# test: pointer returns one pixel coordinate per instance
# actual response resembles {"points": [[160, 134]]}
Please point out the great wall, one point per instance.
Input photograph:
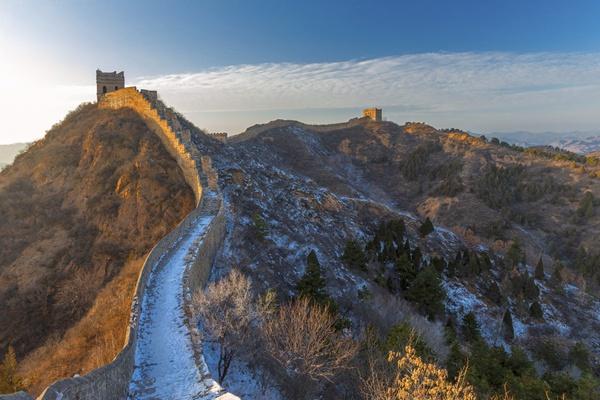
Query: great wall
{"points": [[199, 236]]}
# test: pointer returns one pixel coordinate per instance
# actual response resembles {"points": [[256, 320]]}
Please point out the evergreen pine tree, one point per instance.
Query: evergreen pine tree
{"points": [[260, 226], [354, 257], [530, 289], [507, 326], [426, 290], [556, 277], [397, 230], [407, 247], [473, 267], [539, 270], [494, 294], [586, 206], [9, 381], [455, 361], [452, 269], [580, 356], [312, 283], [485, 263], [450, 330], [439, 264], [389, 251], [426, 227], [416, 257], [471, 330], [402, 334], [406, 271], [515, 254], [535, 310]]}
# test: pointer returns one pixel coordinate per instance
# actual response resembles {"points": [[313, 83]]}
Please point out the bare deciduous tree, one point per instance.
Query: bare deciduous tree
{"points": [[301, 338], [228, 311]]}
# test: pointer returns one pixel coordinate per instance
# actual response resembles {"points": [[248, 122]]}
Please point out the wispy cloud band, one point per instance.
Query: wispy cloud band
{"points": [[429, 80], [488, 91], [483, 90]]}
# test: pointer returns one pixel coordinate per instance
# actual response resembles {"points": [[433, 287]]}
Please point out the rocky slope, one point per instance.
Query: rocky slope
{"points": [[90, 198], [441, 175], [315, 187], [290, 188]]}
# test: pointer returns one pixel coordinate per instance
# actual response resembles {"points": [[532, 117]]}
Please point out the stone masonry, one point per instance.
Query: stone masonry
{"points": [[373, 113], [107, 82], [111, 381], [220, 136]]}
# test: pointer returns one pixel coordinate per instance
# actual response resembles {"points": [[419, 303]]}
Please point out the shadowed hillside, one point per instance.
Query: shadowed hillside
{"points": [[79, 211], [419, 228], [488, 191]]}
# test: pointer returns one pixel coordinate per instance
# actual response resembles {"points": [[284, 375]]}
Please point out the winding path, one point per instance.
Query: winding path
{"points": [[164, 359]]}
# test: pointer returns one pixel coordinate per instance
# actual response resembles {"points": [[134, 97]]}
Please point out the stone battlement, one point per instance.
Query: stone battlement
{"points": [[220, 136], [176, 141], [112, 380], [107, 82], [373, 113]]}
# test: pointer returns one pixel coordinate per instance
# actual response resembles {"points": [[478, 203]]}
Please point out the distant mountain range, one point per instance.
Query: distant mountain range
{"points": [[8, 152], [577, 142], [560, 139], [582, 146]]}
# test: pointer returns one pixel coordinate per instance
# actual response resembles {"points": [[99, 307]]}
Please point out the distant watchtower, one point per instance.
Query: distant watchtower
{"points": [[107, 82], [373, 113]]}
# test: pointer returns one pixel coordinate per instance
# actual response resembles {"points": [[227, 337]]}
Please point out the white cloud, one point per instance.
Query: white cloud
{"points": [[476, 91], [484, 91]]}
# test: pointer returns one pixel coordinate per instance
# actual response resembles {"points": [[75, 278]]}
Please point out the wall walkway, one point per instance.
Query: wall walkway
{"points": [[112, 380]]}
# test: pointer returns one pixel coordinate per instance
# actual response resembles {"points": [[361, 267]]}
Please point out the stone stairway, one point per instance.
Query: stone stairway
{"points": [[162, 358], [208, 175]]}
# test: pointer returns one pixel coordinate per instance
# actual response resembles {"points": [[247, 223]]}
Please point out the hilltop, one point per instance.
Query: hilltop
{"points": [[496, 210], [80, 210], [489, 192]]}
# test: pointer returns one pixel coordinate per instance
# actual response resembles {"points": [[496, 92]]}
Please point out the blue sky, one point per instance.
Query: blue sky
{"points": [[479, 65]]}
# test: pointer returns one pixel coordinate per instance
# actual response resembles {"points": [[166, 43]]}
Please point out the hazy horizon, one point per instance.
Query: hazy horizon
{"points": [[229, 65]]}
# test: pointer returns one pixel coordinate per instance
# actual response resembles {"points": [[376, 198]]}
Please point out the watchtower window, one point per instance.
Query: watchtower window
{"points": [[103, 89]]}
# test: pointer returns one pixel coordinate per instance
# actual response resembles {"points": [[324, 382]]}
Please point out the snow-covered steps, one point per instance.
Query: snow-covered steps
{"points": [[165, 367]]}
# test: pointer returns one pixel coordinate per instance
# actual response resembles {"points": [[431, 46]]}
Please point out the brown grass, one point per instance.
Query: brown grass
{"points": [[94, 341]]}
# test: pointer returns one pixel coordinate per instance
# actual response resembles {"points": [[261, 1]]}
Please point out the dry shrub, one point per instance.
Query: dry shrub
{"points": [[302, 339], [93, 342], [410, 378], [384, 312], [77, 293]]}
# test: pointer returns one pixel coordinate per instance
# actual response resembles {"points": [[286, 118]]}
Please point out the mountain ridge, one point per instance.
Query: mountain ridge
{"points": [[82, 207], [291, 188]]}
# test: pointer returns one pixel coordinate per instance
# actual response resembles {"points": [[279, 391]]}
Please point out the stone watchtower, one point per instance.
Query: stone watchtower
{"points": [[373, 113], [107, 82]]}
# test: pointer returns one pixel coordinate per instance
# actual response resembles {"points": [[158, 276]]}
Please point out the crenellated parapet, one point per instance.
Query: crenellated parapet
{"points": [[175, 139], [112, 380], [220, 136]]}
